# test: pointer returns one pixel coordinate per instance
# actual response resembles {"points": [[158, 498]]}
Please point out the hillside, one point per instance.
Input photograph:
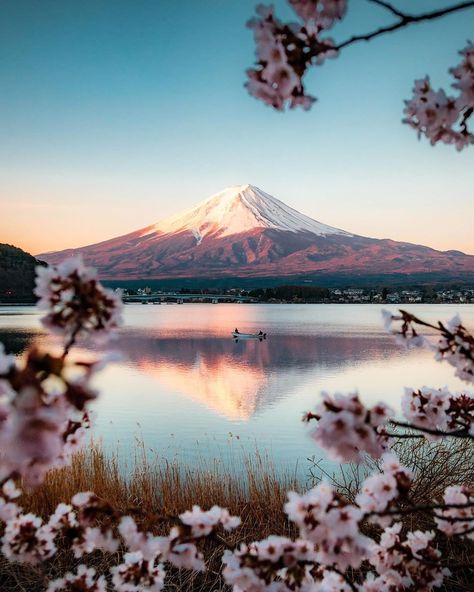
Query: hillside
{"points": [[17, 274]]}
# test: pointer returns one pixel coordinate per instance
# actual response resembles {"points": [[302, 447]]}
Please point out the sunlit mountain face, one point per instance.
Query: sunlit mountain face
{"points": [[244, 232]]}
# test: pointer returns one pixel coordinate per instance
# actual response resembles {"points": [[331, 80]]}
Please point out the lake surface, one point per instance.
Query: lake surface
{"points": [[190, 392]]}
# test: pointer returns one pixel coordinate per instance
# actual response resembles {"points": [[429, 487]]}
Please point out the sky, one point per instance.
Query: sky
{"points": [[114, 115]]}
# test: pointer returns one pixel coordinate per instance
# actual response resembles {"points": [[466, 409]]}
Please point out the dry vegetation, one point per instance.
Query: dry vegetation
{"points": [[156, 491]]}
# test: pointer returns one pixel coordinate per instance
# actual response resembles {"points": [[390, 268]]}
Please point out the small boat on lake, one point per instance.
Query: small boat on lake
{"points": [[236, 334]]}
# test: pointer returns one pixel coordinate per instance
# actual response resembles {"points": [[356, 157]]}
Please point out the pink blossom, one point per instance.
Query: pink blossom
{"points": [[74, 301], [136, 574], [451, 520], [346, 428], [26, 539], [84, 580], [203, 522]]}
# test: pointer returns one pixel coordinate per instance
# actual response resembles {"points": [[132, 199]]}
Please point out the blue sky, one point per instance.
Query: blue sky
{"points": [[116, 114]]}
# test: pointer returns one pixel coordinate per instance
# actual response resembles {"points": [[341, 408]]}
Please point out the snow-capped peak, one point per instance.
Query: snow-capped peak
{"points": [[239, 209]]}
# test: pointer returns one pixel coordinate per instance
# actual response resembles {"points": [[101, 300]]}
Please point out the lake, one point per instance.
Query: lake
{"points": [[192, 393]]}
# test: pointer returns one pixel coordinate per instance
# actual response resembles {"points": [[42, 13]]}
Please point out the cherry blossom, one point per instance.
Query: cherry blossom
{"points": [[136, 574], [434, 114], [320, 14], [42, 418], [276, 563], [26, 539], [454, 344], [457, 521], [406, 564], [74, 301], [324, 518], [83, 580], [346, 428], [286, 50], [203, 523], [379, 491]]}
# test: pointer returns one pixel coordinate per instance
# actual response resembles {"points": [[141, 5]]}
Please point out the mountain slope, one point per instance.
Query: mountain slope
{"points": [[244, 232]]}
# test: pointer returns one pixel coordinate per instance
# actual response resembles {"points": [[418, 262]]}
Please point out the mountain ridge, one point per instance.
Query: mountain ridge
{"points": [[243, 231]]}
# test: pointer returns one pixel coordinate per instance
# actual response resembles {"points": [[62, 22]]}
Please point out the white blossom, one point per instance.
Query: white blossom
{"points": [[26, 539], [346, 428], [451, 520], [74, 301], [136, 574], [84, 580]]}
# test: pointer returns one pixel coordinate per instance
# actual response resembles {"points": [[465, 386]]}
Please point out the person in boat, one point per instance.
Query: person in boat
{"points": [[236, 330], [260, 332]]}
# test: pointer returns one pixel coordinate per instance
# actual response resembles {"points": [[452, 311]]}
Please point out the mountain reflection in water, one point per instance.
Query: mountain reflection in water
{"points": [[188, 389], [238, 379]]}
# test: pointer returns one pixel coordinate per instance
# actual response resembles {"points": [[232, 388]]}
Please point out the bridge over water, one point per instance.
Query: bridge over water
{"points": [[182, 298]]}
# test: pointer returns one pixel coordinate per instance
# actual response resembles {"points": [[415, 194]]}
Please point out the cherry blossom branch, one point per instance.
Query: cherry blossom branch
{"points": [[351, 585], [389, 7], [405, 20], [464, 433], [423, 508]]}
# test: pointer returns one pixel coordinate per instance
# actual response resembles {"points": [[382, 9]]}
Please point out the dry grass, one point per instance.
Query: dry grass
{"points": [[158, 487], [257, 494]]}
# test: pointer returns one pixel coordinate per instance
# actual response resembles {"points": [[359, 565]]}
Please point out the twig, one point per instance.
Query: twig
{"points": [[421, 508], [404, 20], [389, 7], [434, 432]]}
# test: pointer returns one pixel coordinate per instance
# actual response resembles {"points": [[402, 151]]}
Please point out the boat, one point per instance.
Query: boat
{"points": [[260, 335]]}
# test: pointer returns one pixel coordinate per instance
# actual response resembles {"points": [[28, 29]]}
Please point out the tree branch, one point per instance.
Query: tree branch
{"points": [[464, 433], [404, 20], [389, 7], [422, 508]]}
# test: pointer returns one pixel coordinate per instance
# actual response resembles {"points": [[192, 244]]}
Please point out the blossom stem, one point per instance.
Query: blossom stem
{"points": [[346, 579], [404, 20], [389, 7], [464, 433], [72, 340], [421, 508]]}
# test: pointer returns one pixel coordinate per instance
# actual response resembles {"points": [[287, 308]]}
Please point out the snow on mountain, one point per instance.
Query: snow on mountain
{"points": [[239, 209], [244, 232]]}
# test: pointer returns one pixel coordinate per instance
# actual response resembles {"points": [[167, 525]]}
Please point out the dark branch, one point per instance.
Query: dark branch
{"points": [[389, 7], [404, 20], [464, 433], [422, 508]]}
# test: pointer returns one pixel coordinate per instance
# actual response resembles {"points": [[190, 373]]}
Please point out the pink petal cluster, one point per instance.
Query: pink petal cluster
{"points": [[137, 574], [275, 563], [42, 414], [331, 524], [27, 540], [457, 520], [320, 14], [346, 428], [84, 580], [203, 522], [286, 50], [410, 564], [75, 302], [443, 118], [455, 344], [380, 491]]}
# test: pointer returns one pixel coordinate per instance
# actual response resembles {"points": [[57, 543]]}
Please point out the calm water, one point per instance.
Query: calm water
{"points": [[190, 392]]}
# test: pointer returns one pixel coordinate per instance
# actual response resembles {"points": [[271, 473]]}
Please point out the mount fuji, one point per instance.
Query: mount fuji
{"points": [[243, 232]]}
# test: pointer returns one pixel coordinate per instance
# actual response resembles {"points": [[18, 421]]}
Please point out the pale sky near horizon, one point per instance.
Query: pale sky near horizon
{"points": [[114, 115]]}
